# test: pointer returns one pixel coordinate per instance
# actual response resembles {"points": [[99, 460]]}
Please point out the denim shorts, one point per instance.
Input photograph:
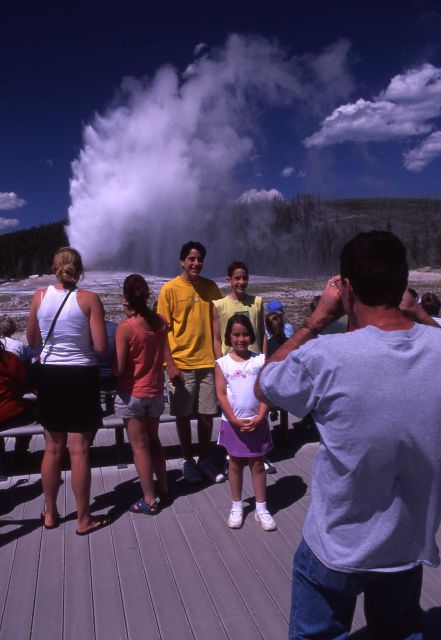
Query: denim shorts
{"points": [[127, 406]]}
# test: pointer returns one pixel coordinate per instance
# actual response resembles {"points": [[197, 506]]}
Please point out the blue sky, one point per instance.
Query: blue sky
{"points": [[346, 101]]}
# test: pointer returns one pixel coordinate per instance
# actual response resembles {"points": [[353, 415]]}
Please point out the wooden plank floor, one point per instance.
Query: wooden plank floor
{"points": [[182, 574]]}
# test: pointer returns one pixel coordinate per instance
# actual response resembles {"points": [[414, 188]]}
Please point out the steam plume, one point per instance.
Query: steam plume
{"points": [[164, 157]]}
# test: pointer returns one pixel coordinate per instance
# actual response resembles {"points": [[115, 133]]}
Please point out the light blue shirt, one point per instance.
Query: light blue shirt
{"points": [[376, 485]]}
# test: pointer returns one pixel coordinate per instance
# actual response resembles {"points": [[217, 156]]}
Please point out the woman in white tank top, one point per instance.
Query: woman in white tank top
{"points": [[68, 389]]}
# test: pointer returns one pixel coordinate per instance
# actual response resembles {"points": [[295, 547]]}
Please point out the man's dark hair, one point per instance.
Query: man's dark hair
{"points": [[375, 264], [431, 303], [244, 321], [236, 265], [188, 246]]}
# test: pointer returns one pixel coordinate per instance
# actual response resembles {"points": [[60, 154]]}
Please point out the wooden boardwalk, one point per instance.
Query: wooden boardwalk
{"points": [[180, 575]]}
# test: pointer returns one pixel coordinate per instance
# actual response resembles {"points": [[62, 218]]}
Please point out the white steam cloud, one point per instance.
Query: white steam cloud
{"points": [[158, 165], [199, 48], [405, 109]]}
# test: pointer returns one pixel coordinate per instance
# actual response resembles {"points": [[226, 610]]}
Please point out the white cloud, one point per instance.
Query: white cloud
{"points": [[418, 158], [291, 171], [172, 147], [9, 201], [8, 223], [366, 121], [262, 195], [404, 109], [419, 86]]}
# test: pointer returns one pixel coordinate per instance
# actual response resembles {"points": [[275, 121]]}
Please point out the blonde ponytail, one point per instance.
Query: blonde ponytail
{"points": [[67, 265]]}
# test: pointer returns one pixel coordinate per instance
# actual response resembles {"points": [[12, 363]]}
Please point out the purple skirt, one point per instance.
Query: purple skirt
{"points": [[245, 445]]}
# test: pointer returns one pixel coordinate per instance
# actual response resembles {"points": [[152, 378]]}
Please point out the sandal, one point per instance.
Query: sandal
{"points": [[143, 507], [98, 523], [49, 526]]}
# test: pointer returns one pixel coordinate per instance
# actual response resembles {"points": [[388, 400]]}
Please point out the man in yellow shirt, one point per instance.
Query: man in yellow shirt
{"points": [[186, 303]]}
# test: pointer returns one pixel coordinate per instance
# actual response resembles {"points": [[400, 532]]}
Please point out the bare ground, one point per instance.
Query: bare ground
{"points": [[294, 294]]}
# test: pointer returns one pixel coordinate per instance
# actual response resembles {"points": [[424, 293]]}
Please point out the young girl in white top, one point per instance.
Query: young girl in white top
{"points": [[244, 429]]}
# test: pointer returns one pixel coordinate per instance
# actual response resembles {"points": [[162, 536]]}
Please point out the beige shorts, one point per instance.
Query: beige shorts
{"points": [[196, 395]]}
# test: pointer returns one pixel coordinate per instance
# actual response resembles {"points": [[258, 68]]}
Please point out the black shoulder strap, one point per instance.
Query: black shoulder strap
{"points": [[51, 328]]}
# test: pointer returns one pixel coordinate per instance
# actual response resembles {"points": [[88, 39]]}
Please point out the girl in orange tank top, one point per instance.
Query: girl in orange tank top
{"points": [[140, 343]]}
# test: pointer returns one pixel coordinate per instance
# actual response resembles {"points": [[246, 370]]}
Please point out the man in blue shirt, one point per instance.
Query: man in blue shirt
{"points": [[376, 485]]}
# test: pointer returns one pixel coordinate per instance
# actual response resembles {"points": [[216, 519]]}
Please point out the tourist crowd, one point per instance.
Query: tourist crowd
{"points": [[363, 367]]}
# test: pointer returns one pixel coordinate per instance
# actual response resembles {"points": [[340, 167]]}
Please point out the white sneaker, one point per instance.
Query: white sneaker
{"points": [[210, 471], [235, 519], [266, 520], [191, 472]]}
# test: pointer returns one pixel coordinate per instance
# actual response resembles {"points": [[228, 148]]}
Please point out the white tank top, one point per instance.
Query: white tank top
{"points": [[70, 342], [240, 378]]}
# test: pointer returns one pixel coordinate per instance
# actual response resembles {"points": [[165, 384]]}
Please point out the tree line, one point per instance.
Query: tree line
{"points": [[296, 238], [304, 236], [30, 251]]}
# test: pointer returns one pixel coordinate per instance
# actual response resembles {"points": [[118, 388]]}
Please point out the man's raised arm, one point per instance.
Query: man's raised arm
{"points": [[412, 310], [328, 310]]}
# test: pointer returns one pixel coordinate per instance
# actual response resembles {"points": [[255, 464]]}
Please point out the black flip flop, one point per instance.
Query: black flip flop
{"points": [[99, 523], [49, 526]]}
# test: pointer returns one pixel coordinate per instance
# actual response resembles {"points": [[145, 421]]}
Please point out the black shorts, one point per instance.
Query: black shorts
{"points": [[69, 398]]}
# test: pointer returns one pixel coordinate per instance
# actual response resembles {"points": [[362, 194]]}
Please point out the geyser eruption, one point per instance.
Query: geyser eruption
{"points": [[161, 164]]}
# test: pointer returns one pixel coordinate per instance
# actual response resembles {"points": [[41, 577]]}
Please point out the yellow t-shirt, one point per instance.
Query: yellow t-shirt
{"points": [[250, 306], [187, 309]]}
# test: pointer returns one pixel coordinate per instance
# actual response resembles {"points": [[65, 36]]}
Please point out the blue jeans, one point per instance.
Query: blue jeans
{"points": [[323, 601]]}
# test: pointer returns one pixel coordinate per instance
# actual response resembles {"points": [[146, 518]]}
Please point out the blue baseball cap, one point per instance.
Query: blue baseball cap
{"points": [[274, 306]]}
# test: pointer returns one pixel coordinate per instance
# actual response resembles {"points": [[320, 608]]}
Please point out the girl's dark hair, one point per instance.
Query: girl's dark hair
{"points": [[274, 324], [136, 293], [244, 321], [2, 351], [7, 326], [236, 265], [431, 303]]}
